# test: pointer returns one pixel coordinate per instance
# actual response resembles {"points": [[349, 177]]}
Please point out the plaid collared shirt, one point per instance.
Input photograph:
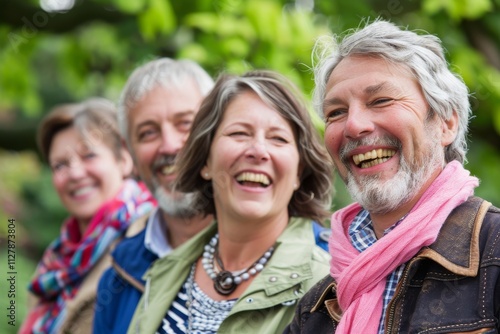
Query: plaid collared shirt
{"points": [[363, 236]]}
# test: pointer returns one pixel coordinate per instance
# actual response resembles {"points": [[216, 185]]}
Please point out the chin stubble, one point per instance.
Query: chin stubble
{"points": [[381, 197]]}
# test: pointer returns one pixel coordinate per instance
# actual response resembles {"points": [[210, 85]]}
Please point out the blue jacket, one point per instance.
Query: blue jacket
{"points": [[118, 296], [121, 286]]}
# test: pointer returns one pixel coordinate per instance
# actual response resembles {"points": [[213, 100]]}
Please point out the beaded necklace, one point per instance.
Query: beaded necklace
{"points": [[205, 315], [225, 282]]}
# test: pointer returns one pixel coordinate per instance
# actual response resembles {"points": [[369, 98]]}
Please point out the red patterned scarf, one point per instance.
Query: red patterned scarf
{"points": [[71, 256]]}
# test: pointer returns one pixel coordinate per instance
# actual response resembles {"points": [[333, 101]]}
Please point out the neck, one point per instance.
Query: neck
{"points": [[383, 221], [181, 229], [82, 226], [242, 243]]}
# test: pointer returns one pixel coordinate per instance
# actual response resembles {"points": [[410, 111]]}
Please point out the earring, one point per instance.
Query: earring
{"points": [[206, 175], [295, 186]]}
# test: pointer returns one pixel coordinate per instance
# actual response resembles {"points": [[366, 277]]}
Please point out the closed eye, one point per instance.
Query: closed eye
{"points": [[89, 155], [382, 102], [147, 134], [59, 166], [185, 125], [238, 133], [334, 115], [280, 139]]}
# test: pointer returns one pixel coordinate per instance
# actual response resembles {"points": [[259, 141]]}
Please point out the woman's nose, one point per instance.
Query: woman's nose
{"points": [[76, 169], [258, 150]]}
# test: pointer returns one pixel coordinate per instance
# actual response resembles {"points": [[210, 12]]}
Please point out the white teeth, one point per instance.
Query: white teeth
{"points": [[82, 191], [375, 156], [168, 169], [253, 177]]}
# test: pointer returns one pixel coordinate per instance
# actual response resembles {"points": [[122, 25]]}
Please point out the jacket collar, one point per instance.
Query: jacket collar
{"points": [[457, 245], [292, 255]]}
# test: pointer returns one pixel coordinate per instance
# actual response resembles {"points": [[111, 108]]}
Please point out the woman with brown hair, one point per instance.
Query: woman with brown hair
{"points": [[255, 161], [90, 170]]}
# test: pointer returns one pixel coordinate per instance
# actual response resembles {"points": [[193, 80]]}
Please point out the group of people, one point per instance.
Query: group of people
{"points": [[199, 206]]}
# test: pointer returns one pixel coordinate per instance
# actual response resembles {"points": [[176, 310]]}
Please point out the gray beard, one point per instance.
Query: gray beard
{"points": [[177, 205], [381, 197]]}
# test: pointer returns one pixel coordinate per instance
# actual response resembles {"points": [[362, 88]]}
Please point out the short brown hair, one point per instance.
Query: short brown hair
{"points": [[312, 198], [94, 116]]}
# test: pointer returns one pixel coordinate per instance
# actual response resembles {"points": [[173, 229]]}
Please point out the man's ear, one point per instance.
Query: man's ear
{"points": [[126, 163], [449, 129]]}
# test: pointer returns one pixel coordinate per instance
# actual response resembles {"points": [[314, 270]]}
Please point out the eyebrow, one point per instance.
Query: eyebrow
{"points": [[184, 113], [177, 115], [247, 124], [370, 90]]}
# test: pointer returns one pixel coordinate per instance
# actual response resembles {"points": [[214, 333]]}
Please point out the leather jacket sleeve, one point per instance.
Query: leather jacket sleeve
{"points": [[311, 314]]}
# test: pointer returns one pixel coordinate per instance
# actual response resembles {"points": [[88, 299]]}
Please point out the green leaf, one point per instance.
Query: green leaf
{"points": [[458, 9], [18, 86], [195, 52], [204, 21], [265, 16], [496, 119], [158, 19], [130, 6], [236, 47]]}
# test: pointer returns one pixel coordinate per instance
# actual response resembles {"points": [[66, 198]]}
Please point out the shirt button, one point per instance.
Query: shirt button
{"points": [[249, 300], [294, 275], [273, 279]]}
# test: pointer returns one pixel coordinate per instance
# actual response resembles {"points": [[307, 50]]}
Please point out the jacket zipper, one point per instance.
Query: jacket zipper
{"points": [[389, 321]]}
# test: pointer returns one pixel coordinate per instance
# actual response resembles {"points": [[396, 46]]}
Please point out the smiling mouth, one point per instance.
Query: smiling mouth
{"points": [[253, 179], [167, 169], [373, 157], [82, 191]]}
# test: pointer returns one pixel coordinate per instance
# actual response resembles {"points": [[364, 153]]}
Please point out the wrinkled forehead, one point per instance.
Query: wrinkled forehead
{"points": [[372, 70]]}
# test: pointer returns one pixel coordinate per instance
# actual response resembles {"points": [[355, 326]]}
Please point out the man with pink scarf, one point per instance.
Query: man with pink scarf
{"points": [[417, 252]]}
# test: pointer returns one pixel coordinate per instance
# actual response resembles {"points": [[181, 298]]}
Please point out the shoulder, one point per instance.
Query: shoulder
{"points": [[80, 309], [131, 257], [321, 235], [492, 216], [297, 248], [138, 225], [323, 290], [489, 236], [312, 314]]}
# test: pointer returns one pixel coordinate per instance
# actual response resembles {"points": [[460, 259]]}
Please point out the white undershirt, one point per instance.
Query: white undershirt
{"points": [[156, 235]]}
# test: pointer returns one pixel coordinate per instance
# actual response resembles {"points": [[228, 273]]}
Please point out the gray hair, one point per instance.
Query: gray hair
{"points": [[313, 197], [165, 72], [444, 90]]}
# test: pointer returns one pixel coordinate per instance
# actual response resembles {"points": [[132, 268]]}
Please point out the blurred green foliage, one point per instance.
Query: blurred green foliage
{"points": [[48, 58]]}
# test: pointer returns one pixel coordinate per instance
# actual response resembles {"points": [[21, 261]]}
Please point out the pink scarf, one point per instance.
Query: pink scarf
{"points": [[361, 277]]}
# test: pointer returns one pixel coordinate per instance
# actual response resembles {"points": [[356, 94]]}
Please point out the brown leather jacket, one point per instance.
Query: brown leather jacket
{"points": [[452, 286]]}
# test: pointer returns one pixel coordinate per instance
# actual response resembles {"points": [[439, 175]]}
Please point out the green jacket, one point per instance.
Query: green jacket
{"points": [[268, 304]]}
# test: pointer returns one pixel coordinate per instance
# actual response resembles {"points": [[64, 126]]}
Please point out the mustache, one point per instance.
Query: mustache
{"points": [[164, 160], [367, 141]]}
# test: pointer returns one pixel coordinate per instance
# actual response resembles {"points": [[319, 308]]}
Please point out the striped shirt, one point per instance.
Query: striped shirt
{"points": [[203, 317], [362, 236]]}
